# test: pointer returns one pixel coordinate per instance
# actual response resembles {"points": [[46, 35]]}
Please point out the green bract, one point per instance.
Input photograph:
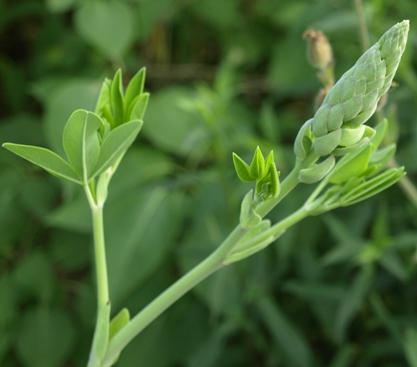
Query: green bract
{"points": [[262, 171], [358, 175], [115, 106]]}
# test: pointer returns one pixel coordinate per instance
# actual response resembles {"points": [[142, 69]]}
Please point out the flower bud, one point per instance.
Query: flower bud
{"points": [[354, 98], [319, 51]]}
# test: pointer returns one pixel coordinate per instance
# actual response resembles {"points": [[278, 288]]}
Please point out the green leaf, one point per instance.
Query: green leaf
{"points": [[104, 97], [46, 338], [269, 160], [48, 160], [171, 128], [302, 142], [81, 142], [60, 6], [317, 171], [380, 159], [327, 143], [117, 99], [275, 188], [373, 186], [287, 336], [135, 88], [74, 215], [118, 322], [352, 302], [61, 101], [107, 25], [35, 274], [248, 217], [134, 236], [242, 169], [351, 136], [101, 336], [115, 144], [410, 346], [9, 303], [383, 156], [380, 131], [351, 149], [138, 107], [344, 357], [351, 165], [257, 166]]}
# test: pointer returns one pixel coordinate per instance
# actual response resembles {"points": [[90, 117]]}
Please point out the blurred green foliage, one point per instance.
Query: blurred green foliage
{"points": [[225, 75]]}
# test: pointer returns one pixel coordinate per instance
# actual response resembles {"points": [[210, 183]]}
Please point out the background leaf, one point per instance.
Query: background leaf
{"points": [[109, 26], [410, 346], [46, 338], [285, 334], [185, 134], [146, 234]]}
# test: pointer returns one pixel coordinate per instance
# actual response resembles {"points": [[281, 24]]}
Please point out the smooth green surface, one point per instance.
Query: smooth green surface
{"points": [[81, 142], [115, 144], [108, 26], [46, 159]]}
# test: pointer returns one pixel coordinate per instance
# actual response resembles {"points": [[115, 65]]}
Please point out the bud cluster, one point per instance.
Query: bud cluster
{"points": [[337, 126]]}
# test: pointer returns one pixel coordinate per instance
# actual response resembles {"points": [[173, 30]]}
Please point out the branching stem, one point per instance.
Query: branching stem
{"points": [[201, 271]]}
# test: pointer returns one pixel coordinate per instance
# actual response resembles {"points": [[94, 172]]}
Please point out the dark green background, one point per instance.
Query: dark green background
{"points": [[337, 290]]}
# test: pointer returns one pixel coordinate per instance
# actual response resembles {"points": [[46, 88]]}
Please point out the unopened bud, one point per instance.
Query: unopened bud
{"points": [[354, 98], [319, 51]]}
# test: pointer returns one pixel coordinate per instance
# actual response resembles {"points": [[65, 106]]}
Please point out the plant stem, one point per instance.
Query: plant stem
{"points": [[100, 256], [288, 184], [103, 299], [172, 294], [198, 273], [362, 25], [277, 229], [99, 249], [406, 185]]}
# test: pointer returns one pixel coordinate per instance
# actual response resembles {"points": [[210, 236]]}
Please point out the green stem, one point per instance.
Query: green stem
{"points": [[276, 230], [362, 25], [406, 185], [288, 184], [103, 299], [172, 294], [100, 256], [287, 222], [99, 249], [198, 273]]}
